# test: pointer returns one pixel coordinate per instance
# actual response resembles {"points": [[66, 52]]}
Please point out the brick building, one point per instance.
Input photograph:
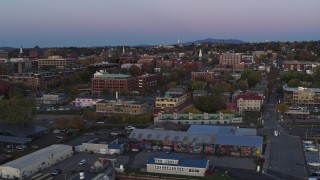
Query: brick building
{"points": [[56, 61], [40, 80], [121, 107], [298, 65], [148, 82], [230, 58], [112, 82]]}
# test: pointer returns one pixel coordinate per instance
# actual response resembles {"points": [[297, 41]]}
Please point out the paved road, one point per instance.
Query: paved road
{"points": [[284, 152]]}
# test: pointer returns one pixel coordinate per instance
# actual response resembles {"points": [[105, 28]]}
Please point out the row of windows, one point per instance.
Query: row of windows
{"points": [[194, 170], [168, 168]]}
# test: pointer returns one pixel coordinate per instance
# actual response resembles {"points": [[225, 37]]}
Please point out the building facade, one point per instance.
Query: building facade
{"points": [[302, 96], [172, 164], [230, 58], [30, 164], [56, 61], [40, 80], [201, 139], [51, 99], [207, 76], [85, 102], [121, 107], [112, 83], [147, 83], [249, 102], [169, 103], [190, 118], [298, 65]]}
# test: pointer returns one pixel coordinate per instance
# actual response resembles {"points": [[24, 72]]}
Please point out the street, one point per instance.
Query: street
{"points": [[284, 154]]}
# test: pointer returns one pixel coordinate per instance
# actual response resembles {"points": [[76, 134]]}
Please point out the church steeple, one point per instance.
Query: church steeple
{"points": [[21, 50], [200, 54], [123, 51]]}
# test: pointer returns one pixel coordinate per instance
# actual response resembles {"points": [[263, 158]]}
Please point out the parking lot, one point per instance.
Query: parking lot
{"points": [[71, 168]]}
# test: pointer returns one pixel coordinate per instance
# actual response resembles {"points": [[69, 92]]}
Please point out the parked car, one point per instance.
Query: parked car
{"points": [[56, 172], [21, 147], [82, 162], [60, 137], [130, 128]]}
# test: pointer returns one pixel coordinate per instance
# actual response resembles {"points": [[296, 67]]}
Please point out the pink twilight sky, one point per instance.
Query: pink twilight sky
{"points": [[131, 22]]}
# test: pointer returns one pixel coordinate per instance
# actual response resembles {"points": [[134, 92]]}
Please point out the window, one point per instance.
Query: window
{"points": [[194, 170]]}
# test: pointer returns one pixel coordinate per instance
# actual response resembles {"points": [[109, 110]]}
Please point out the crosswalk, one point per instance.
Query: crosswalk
{"points": [[41, 176]]}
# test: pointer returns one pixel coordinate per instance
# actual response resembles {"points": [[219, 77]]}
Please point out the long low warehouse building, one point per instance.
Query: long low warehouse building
{"points": [[30, 164], [211, 140]]}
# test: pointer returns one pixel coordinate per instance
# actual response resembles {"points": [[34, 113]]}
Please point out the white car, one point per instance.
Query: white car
{"points": [[276, 133], [82, 162], [130, 128], [21, 147]]}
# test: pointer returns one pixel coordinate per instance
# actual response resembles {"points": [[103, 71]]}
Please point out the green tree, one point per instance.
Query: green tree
{"points": [[243, 85], [105, 91], [18, 110], [253, 77], [316, 73], [210, 104], [135, 70], [174, 76], [85, 76], [196, 85], [222, 87], [294, 83]]}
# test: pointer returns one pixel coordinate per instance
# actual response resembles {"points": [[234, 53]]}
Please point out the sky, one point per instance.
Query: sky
{"points": [[83, 23]]}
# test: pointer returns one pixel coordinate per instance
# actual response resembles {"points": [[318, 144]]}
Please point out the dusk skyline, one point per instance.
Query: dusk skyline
{"points": [[102, 23]]}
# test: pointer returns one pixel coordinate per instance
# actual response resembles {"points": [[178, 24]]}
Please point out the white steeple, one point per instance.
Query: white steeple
{"points": [[200, 54], [123, 51], [21, 50]]}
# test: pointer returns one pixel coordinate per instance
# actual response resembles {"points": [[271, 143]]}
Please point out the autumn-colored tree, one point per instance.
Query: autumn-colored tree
{"points": [[77, 123], [172, 84], [61, 123], [192, 110], [282, 108], [225, 111]]}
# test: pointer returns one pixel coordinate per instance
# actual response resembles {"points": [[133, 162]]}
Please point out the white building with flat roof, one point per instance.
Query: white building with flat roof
{"points": [[30, 164]]}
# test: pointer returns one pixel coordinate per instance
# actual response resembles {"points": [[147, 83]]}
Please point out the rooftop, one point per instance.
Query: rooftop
{"points": [[249, 97], [298, 62], [24, 161], [224, 136], [316, 90], [108, 75], [229, 130], [22, 131], [12, 139]]}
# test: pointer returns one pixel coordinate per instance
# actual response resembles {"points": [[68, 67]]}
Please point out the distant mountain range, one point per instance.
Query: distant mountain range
{"points": [[203, 41], [7, 48], [214, 41]]}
